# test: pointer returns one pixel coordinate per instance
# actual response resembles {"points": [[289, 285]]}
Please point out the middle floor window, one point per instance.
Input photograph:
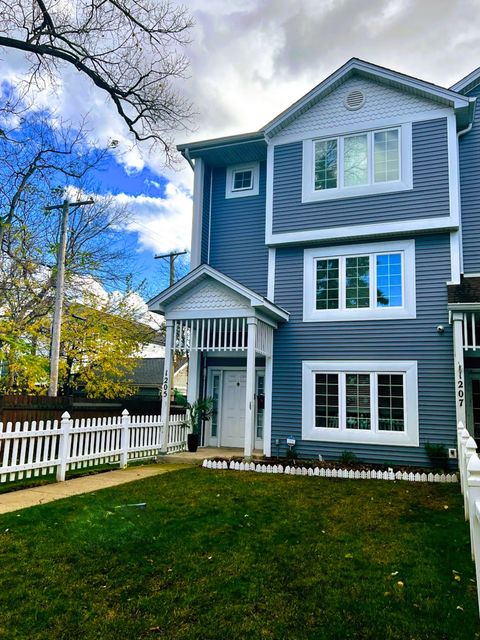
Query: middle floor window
{"points": [[360, 282]]}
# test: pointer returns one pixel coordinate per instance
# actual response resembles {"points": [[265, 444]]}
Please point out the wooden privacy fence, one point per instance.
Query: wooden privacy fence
{"points": [[32, 449]]}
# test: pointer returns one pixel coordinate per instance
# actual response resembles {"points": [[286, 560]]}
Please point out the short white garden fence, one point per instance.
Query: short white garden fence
{"points": [[32, 449], [469, 471]]}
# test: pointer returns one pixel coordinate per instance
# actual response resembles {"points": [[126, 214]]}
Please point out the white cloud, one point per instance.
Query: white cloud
{"points": [[162, 224]]}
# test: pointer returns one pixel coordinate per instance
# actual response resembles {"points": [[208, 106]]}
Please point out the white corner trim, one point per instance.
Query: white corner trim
{"points": [[455, 257], [254, 167], [408, 438], [271, 274], [453, 169], [407, 310], [445, 223], [196, 251], [269, 191]]}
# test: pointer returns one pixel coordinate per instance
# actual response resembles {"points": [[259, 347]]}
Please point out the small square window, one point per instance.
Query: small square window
{"points": [[242, 180]]}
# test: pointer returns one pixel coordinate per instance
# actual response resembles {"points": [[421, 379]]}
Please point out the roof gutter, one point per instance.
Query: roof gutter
{"points": [[186, 155]]}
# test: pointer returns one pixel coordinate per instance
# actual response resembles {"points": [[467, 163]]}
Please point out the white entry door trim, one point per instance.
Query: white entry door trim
{"points": [[227, 429]]}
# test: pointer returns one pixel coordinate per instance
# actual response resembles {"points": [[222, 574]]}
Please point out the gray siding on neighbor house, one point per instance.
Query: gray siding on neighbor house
{"points": [[428, 198], [415, 339], [469, 149], [205, 213], [237, 242]]}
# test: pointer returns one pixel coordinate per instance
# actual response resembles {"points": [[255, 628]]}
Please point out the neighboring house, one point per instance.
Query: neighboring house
{"points": [[335, 284]]}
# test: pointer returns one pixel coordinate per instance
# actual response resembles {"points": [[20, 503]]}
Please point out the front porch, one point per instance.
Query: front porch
{"points": [[226, 330], [464, 307]]}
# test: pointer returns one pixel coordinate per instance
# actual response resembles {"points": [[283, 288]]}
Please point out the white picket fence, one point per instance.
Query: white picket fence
{"points": [[469, 468], [39, 448], [321, 472]]}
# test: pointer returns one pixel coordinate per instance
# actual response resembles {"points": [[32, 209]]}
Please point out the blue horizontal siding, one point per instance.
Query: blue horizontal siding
{"points": [[414, 339], [469, 149], [237, 242], [428, 198]]}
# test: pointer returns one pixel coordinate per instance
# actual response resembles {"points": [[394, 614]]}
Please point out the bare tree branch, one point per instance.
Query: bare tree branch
{"points": [[130, 49]]}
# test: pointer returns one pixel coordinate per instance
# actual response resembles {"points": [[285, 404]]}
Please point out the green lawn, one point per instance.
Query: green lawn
{"points": [[229, 555]]}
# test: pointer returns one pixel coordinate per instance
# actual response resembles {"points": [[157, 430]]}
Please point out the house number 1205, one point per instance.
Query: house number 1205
{"points": [[165, 385]]}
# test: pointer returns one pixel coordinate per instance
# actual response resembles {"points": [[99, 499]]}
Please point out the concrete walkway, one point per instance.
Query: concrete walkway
{"points": [[58, 490]]}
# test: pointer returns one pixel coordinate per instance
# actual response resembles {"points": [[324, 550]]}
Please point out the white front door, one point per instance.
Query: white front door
{"points": [[232, 433]]}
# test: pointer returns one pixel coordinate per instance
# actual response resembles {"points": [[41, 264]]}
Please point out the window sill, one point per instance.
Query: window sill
{"points": [[387, 438], [356, 315], [355, 192]]}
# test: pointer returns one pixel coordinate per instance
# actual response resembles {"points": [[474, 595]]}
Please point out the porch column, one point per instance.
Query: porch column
{"points": [[167, 384], [460, 401], [250, 387]]}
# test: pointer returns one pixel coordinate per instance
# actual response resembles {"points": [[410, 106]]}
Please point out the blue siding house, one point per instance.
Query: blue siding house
{"points": [[334, 291]]}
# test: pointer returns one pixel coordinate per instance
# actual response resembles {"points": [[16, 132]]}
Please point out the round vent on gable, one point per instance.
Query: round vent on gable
{"points": [[354, 100]]}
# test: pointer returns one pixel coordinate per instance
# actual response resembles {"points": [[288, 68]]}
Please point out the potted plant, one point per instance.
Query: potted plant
{"points": [[197, 412], [438, 455]]}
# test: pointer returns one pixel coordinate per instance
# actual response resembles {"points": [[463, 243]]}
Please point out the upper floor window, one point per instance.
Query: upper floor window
{"points": [[242, 180], [360, 282], [358, 164]]}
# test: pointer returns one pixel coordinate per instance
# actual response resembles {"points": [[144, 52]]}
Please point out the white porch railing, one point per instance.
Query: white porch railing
{"points": [[471, 330], [29, 450]]}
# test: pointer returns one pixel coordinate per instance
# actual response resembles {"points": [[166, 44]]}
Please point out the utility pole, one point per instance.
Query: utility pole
{"points": [[172, 257], [59, 293]]}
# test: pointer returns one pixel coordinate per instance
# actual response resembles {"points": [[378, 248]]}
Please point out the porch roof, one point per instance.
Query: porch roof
{"points": [[240, 296]]}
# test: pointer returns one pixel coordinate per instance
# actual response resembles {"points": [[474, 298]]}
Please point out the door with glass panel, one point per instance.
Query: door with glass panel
{"points": [[259, 407]]}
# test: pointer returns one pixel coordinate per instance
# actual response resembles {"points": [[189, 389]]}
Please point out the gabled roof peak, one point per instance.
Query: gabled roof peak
{"points": [[355, 66]]}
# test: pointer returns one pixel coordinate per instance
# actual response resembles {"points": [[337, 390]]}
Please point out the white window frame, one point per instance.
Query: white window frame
{"points": [[407, 438], [408, 309], [405, 182], [230, 192]]}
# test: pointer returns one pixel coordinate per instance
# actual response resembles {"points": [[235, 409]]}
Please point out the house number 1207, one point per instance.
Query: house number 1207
{"points": [[460, 387]]}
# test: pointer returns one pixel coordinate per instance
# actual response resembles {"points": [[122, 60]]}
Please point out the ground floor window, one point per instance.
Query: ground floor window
{"points": [[360, 402]]}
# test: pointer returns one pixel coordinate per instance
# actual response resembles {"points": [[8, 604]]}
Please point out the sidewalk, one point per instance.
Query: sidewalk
{"points": [[58, 490]]}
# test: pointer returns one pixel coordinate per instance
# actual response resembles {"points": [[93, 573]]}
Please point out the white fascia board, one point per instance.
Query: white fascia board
{"points": [[473, 78], [464, 306], [455, 99], [420, 225]]}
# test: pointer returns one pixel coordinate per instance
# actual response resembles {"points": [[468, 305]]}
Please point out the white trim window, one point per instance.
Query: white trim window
{"points": [[360, 282], [357, 164], [369, 402], [242, 180]]}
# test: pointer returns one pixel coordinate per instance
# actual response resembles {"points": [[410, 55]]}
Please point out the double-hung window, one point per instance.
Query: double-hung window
{"points": [[360, 282], [360, 402], [357, 164]]}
